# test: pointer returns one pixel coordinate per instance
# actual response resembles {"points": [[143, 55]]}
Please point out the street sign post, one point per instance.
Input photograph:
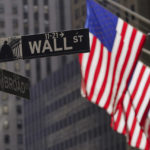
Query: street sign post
{"points": [[14, 84], [56, 43]]}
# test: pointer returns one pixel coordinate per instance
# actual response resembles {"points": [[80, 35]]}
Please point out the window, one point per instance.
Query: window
{"points": [[6, 124], [75, 1], [5, 109], [19, 109], [17, 67], [25, 2], [35, 2], [77, 13], [1, 8], [46, 16], [19, 124], [6, 139], [25, 15], [14, 9], [45, 2], [2, 24]]}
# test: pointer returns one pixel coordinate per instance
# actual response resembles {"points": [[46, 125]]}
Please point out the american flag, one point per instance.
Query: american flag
{"points": [[132, 117], [106, 71], [115, 47]]}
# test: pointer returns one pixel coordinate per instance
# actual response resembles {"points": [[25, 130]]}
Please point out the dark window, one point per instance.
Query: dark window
{"points": [[2, 24], [25, 15], [15, 10], [19, 124], [46, 16], [83, 10], [6, 139], [45, 2], [26, 29], [35, 2], [36, 16], [75, 1], [77, 13], [25, 2], [19, 109], [1, 8]]}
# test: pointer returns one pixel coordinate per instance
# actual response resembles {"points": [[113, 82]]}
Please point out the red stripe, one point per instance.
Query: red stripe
{"points": [[101, 92], [132, 130], [118, 119], [137, 83], [116, 64], [96, 72], [145, 114], [125, 62], [90, 59], [138, 142], [143, 95], [80, 58]]}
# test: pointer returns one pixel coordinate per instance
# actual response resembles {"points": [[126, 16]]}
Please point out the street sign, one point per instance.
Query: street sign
{"points": [[43, 45], [14, 84], [56, 43]]}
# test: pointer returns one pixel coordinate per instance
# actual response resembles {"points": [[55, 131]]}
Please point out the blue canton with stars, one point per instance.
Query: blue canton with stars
{"points": [[101, 23]]}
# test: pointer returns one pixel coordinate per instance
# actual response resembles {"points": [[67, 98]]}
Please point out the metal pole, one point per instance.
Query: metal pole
{"points": [[140, 17], [147, 21]]}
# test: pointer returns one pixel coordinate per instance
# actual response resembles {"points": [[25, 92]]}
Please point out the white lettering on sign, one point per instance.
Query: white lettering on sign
{"points": [[65, 45], [77, 38], [55, 46], [36, 46], [47, 46]]}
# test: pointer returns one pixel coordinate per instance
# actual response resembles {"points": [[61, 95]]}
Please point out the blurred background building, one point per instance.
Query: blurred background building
{"points": [[55, 117]]}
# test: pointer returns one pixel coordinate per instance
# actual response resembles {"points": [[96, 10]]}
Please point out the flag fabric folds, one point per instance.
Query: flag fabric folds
{"points": [[132, 117], [115, 47], [107, 70]]}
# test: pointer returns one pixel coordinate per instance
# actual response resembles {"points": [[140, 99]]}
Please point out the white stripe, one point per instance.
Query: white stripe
{"points": [[129, 64], [121, 61], [119, 26], [101, 75], [143, 142], [85, 58], [140, 89], [135, 77], [135, 134], [112, 62], [121, 123], [93, 66], [144, 105], [113, 58]]}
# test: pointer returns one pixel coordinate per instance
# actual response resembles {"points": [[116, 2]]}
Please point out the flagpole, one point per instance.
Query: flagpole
{"points": [[140, 17]]}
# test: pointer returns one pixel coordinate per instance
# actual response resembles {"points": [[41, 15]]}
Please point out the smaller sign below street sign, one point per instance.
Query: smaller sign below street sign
{"points": [[14, 84], [56, 43]]}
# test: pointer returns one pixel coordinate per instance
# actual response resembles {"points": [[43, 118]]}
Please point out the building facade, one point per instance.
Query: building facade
{"points": [[58, 118], [24, 17]]}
